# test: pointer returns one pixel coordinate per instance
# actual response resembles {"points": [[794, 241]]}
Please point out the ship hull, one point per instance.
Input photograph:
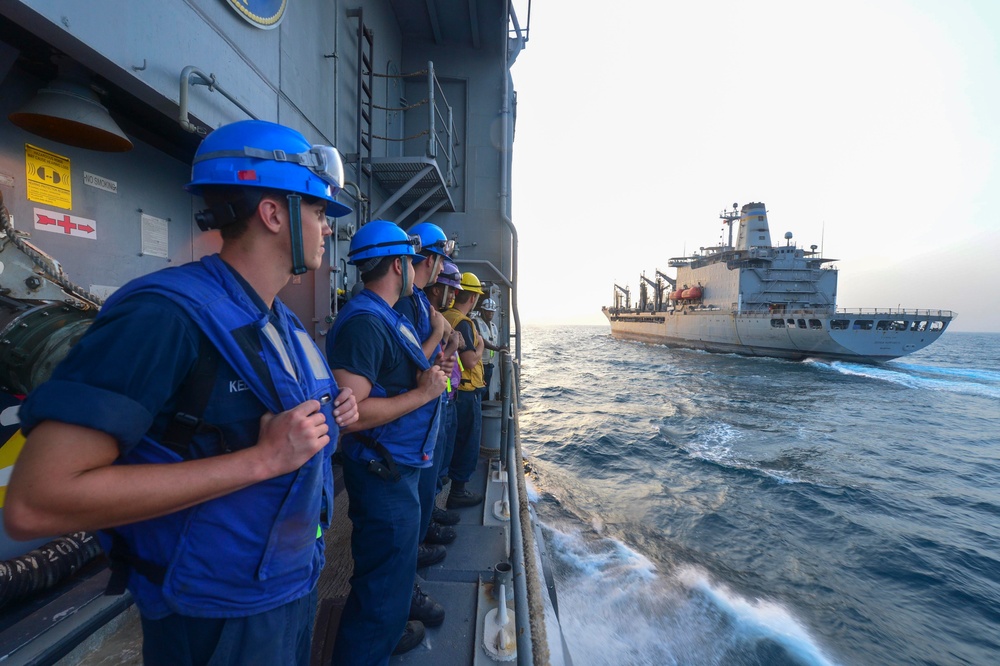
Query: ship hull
{"points": [[884, 339]]}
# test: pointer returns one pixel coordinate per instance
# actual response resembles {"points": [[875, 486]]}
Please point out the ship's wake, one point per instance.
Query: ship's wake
{"points": [[617, 607], [970, 381]]}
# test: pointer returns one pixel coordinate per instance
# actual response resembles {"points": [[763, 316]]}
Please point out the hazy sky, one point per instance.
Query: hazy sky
{"points": [[869, 128]]}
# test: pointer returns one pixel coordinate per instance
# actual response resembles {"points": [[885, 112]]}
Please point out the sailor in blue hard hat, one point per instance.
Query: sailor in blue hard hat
{"points": [[377, 352], [434, 333], [233, 172], [216, 432]]}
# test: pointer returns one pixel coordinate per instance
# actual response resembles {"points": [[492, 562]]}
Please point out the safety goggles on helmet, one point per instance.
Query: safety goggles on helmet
{"points": [[445, 247], [450, 275], [324, 161], [411, 241]]}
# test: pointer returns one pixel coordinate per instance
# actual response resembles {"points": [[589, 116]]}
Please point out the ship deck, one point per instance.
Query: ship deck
{"points": [[115, 635]]}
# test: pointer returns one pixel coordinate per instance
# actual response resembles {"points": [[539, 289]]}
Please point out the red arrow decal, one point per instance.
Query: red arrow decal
{"points": [[42, 219]]}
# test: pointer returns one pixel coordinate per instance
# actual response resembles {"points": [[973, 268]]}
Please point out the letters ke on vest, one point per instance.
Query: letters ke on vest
{"points": [[255, 549], [472, 378], [410, 439]]}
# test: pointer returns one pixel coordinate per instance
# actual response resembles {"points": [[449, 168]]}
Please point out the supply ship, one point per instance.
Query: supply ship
{"points": [[102, 108], [758, 299]]}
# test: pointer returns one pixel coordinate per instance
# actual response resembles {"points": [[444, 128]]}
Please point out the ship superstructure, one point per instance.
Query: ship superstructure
{"points": [[755, 298]]}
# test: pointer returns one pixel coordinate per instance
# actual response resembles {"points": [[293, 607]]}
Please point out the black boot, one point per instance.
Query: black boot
{"points": [[459, 497], [412, 636], [439, 534], [429, 554], [444, 517], [425, 609]]}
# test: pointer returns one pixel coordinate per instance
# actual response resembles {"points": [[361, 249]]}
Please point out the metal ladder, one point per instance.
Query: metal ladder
{"points": [[366, 59]]}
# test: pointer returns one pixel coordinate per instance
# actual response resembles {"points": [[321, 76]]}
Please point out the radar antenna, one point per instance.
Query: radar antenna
{"points": [[728, 218]]}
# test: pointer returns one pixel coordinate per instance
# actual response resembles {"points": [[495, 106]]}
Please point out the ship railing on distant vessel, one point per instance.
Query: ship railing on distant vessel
{"points": [[896, 311], [828, 312], [850, 312]]}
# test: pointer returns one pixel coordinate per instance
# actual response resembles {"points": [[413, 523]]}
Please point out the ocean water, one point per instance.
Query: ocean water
{"points": [[714, 509]]}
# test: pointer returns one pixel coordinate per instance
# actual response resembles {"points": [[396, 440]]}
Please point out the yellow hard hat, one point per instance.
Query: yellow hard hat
{"points": [[471, 283]]}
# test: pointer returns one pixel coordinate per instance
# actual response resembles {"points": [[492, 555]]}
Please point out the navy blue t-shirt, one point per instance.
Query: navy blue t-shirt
{"points": [[465, 328], [123, 378], [365, 347], [408, 307]]}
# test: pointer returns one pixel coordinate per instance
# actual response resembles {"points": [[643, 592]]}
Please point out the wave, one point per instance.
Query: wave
{"points": [[617, 607], [985, 383], [757, 618], [713, 443], [978, 374]]}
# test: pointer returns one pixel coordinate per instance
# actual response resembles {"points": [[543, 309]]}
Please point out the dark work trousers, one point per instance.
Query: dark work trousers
{"points": [[428, 485], [487, 377], [449, 426], [386, 518], [470, 428], [279, 636]]}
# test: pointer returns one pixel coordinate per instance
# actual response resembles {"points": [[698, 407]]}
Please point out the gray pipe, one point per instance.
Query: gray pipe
{"points": [[521, 619], [506, 157]]}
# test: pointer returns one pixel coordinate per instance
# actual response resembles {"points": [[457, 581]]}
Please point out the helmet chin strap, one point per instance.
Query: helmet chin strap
{"points": [[295, 229], [403, 261]]}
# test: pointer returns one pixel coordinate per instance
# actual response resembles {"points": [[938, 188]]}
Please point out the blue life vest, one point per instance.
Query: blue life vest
{"points": [[410, 439], [257, 548], [423, 325]]}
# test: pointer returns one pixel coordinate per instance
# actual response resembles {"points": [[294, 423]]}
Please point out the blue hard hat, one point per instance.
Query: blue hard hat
{"points": [[258, 153], [381, 238], [432, 239]]}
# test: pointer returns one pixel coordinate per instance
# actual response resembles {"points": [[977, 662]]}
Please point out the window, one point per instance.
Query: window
{"points": [[791, 323], [937, 326], [838, 324], [863, 324], [777, 323], [802, 323], [899, 325], [883, 325], [816, 323]]}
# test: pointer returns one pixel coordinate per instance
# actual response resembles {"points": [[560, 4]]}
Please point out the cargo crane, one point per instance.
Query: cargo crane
{"points": [[618, 297], [658, 287]]}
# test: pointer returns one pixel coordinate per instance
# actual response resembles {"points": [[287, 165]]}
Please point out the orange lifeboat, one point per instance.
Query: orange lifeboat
{"points": [[676, 294], [691, 294]]}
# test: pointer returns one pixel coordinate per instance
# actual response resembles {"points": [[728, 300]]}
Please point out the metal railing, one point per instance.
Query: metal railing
{"points": [[442, 137], [447, 118], [895, 311], [532, 644]]}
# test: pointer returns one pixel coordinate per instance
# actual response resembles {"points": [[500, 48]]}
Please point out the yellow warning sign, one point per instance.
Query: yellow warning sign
{"points": [[48, 177]]}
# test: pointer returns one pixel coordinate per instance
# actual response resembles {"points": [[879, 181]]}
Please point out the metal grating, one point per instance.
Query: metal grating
{"points": [[394, 173]]}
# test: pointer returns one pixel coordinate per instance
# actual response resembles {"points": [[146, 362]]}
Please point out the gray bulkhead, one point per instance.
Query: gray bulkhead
{"points": [[304, 73]]}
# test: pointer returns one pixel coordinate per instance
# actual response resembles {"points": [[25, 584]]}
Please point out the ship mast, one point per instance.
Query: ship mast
{"points": [[728, 218]]}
